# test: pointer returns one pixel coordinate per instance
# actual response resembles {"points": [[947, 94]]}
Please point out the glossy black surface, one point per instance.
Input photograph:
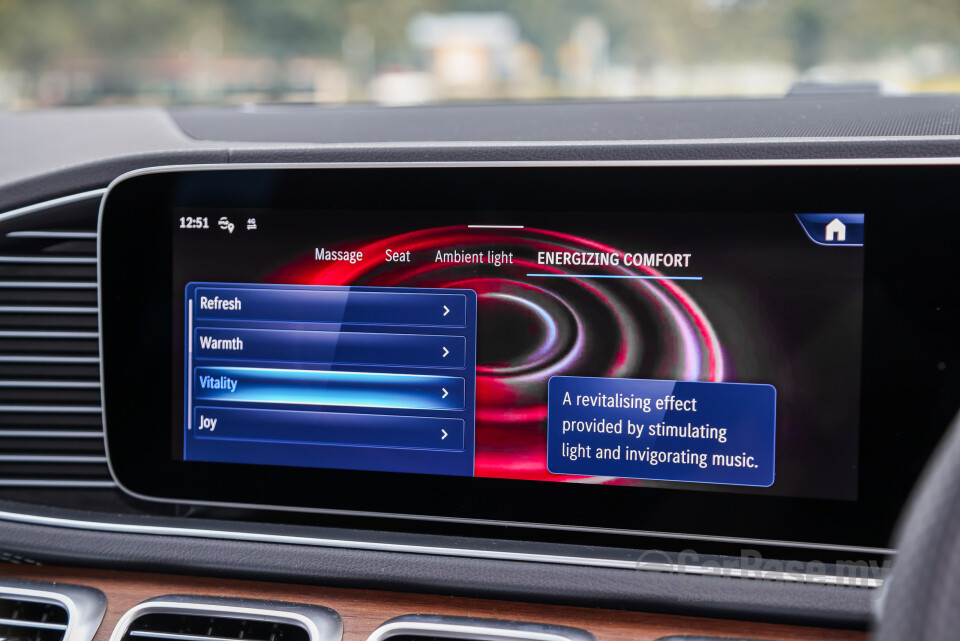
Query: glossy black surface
{"points": [[909, 379]]}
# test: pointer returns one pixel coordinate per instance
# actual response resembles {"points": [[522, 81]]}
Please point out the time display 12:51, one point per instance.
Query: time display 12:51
{"points": [[194, 222]]}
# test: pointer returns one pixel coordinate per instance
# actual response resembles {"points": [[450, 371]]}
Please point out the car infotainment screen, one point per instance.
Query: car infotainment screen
{"points": [[746, 352], [636, 349]]}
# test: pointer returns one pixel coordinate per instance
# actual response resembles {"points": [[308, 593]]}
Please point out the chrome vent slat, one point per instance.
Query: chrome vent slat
{"points": [[52, 384], [184, 637], [36, 334], [50, 410], [45, 285], [428, 627], [23, 309], [58, 409], [39, 458], [62, 279], [21, 623], [51, 434], [66, 260], [27, 358], [41, 483], [92, 235]]}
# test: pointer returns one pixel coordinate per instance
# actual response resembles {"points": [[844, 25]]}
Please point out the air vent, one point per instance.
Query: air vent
{"points": [[31, 621], [193, 618], [419, 627], [51, 431], [35, 611]]}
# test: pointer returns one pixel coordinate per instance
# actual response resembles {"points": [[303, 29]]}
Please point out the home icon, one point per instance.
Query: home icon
{"points": [[836, 231]]}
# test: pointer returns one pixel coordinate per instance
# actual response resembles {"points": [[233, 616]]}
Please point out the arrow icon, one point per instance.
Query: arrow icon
{"points": [[446, 310], [444, 433], [445, 352], [445, 392]]}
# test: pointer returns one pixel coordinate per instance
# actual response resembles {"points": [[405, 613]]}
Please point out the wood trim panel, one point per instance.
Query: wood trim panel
{"points": [[365, 610]]}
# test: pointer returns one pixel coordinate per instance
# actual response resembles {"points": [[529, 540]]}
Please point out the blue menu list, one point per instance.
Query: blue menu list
{"points": [[361, 378], [698, 432]]}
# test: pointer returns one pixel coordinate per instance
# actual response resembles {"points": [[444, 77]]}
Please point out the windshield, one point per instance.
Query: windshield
{"points": [[169, 52]]}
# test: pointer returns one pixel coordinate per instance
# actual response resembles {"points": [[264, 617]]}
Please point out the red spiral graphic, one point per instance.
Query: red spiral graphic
{"points": [[530, 329]]}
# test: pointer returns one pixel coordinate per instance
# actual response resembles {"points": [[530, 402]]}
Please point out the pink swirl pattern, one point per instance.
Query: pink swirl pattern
{"points": [[530, 329]]}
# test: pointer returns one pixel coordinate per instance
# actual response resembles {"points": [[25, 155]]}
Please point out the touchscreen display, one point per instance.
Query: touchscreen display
{"points": [[682, 350]]}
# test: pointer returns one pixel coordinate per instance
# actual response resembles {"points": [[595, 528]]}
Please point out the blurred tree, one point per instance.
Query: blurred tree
{"points": [[284, 28], [807, 33]]}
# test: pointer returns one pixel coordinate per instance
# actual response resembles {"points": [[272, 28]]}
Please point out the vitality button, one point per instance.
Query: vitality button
{"points": [[319, 387]]}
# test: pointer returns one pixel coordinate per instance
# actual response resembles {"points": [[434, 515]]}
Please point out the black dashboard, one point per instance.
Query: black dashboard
{"points": [[552, 352]]}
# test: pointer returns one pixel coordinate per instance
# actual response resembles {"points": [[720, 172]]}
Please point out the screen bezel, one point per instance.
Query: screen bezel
{"points": [[135, 235]]}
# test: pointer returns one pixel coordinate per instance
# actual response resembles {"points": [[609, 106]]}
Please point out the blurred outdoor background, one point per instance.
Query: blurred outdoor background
{"points": [[76, 52]]}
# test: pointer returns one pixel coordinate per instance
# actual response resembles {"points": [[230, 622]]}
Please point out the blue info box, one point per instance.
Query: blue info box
{"points": [[696, 432]]}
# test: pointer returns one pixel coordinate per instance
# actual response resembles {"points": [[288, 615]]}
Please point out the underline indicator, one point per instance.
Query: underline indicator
{"points": [[495, 226], [621, 276]]}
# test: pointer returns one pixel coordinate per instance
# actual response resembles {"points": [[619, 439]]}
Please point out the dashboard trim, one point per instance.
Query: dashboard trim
{"points": [[763, 162], [807, 613], [497, 555]]}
